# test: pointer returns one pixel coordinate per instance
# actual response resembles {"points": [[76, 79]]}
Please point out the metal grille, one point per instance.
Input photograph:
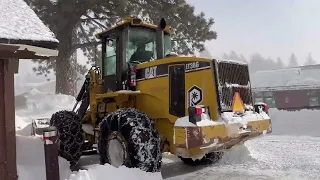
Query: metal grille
{"points": [[233, 77]]}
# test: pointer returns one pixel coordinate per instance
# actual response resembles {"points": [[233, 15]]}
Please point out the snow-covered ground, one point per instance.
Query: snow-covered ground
{"points": [[291, 152]]}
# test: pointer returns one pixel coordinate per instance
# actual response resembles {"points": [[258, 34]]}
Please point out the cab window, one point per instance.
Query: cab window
{"points": [[141, 45], [110, 58]]}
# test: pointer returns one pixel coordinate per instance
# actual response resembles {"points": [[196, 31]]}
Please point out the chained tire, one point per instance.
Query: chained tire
{"points": [[70, 134], [128, 137], [208, 159]]}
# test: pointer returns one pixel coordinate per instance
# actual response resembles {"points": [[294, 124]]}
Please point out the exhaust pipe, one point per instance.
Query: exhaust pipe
{"points": [[160, 38]]}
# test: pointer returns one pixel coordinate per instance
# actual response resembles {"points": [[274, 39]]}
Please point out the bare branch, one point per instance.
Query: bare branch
{"points": [[82, 45], [84, 33], [91, 19], [97, 22]]}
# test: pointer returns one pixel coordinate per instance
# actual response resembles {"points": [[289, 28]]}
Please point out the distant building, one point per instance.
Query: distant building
{"points": [[290, 88]]}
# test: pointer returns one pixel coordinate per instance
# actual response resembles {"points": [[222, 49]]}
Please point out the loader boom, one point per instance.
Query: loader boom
{"points": [[83, 97]]}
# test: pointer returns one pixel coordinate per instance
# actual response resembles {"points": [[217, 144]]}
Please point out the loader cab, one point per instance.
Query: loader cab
{"points": [[129, 43]]}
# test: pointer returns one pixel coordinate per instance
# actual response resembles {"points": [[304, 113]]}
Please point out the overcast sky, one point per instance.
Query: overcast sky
{"points": [[273, 28]]}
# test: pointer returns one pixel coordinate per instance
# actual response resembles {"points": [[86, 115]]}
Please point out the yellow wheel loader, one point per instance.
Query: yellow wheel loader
{"points": [[141, 100]]}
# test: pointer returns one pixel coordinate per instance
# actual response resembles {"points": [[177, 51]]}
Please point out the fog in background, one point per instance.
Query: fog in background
{"points": [[266, 34]]}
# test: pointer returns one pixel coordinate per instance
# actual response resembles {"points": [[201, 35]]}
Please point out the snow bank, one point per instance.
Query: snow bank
{"points": [[40, 105], [236, 155], [27, 81], [108, 172], [31, 166], [297, 123], [30, 160]]}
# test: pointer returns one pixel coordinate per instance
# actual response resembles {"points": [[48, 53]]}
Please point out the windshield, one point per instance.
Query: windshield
{"points": [[141, 46]]}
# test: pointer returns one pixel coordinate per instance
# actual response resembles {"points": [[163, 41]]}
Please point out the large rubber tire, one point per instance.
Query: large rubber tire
{"points": [[70, 134], [138, 136], [209, 158]]}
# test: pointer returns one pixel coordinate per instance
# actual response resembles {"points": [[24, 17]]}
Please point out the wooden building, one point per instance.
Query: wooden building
{"points": [[22, 36], [290, 89]]}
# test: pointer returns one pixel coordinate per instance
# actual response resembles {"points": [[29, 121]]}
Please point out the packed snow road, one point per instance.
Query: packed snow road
{"points": [[291, 152], [271, 157]]}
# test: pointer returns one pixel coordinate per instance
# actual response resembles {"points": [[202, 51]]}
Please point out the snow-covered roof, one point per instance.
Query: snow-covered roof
{"points": [[19, 22], [289, 78]]}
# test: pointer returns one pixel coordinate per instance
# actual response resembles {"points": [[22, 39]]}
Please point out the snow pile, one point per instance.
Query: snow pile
{"points": [[236, 155], [40, 105], [107, 172], [15, 25], [31, 165], [25, 82], [30, 160], [297, 123]]}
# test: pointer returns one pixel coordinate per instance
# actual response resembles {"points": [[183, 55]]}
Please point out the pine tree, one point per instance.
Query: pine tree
{"points": [[309, 60], [293, 61], [75, 23], [279, 63]]}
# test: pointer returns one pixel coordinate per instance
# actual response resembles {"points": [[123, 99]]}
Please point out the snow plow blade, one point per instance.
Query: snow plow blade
{"points": [[38, 125], [194, 140]]}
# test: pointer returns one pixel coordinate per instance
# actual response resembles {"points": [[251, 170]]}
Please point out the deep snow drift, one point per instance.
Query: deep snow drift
{"points": [[30, 160]]}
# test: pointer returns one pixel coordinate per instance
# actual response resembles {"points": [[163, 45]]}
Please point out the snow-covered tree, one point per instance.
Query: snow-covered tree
{"points": [[279, 63], [309, 60], [293, 61], [75, 23]]}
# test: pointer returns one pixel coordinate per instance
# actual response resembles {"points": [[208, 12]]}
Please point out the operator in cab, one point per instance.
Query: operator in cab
{"points": [[141, 55]]}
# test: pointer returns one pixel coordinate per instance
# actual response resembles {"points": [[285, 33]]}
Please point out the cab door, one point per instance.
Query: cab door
{"points": [[112, 63]]}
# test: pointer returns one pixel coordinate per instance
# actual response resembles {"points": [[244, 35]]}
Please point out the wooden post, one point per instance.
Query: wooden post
{"points": [[51, 153], [8, 168]]}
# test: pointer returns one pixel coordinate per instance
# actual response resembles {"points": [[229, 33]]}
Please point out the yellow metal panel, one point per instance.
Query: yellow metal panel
{"points": [[212, 132], [165, 129], [259, 126], [155, 101], [180, 136], [172, 60], [208, 89], [116, 94]]}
